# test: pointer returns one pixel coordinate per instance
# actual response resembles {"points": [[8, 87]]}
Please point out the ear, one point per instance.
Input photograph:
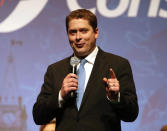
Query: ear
{"points": [[96, 33]]}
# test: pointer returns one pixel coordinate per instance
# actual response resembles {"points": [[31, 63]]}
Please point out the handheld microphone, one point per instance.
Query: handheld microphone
{"points": [[74, 61]]}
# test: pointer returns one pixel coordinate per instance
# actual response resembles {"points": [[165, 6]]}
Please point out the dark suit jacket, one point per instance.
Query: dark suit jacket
{"points": [[96, 113]]}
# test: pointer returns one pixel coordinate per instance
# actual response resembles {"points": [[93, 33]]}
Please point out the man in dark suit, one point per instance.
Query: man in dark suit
{"points": [[109, 94]]}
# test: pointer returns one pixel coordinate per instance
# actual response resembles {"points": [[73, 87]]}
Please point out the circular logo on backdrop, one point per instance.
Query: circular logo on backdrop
{"points": [[15, 14]]}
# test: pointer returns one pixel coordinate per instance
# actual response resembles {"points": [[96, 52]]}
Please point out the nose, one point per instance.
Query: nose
{"points": [[78, 36]]}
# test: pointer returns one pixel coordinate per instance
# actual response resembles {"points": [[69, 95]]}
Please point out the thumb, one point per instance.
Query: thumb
{"points": [[105, 79]]}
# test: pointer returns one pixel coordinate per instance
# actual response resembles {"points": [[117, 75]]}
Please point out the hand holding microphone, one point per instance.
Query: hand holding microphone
{"points": [[70, 82]]}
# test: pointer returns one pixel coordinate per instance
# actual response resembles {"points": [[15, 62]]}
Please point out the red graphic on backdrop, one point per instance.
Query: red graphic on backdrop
{"points": [[2, 2]]}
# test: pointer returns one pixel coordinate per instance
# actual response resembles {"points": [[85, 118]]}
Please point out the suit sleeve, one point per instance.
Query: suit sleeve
{"points": [[46, 106], [127, 109]]}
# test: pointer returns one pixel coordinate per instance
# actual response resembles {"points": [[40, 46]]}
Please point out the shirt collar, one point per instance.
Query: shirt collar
{"points": [[91, 57]]}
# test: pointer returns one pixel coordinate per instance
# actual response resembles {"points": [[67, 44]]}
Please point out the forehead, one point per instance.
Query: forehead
{"points": [[79, 23]]}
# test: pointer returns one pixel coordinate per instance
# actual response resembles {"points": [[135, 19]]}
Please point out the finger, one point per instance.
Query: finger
{"points": [[111, 80], [113, 84], [72, 84], [113, 76], [105, 80], [73, 80], [74, 76], [69, 85], [66, 90], [114, 88], [72, 89], [71, 75]]}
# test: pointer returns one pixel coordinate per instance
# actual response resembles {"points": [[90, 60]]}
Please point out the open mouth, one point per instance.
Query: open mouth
{"points": [[79, 45]]}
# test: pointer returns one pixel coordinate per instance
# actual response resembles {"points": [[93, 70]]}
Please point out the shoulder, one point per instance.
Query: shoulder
{"points": [[60, 64], [118, 63], [110, 57]]}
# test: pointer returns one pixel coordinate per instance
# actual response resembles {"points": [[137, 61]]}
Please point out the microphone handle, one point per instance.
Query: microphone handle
{"points": [[74, 70]]}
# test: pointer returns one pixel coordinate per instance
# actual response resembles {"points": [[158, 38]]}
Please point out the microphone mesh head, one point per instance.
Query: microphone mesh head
{"points": [[74, 61]]}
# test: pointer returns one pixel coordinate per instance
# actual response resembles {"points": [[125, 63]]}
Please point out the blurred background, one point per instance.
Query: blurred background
{"points": [[33, 36]]}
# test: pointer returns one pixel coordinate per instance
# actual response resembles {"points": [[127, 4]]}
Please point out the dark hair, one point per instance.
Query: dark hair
{"points": [[82, 14]]}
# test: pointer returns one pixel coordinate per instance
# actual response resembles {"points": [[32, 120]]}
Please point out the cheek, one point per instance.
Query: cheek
{"points": [[70, 39], [87, 39], [91, 39]]}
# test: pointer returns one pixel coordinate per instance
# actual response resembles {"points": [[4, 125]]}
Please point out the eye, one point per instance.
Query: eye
{"points": [[72, 32], [84, 30]]}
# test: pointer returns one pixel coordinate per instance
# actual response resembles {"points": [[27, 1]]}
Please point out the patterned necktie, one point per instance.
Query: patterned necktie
{"points": [[81, 81]]}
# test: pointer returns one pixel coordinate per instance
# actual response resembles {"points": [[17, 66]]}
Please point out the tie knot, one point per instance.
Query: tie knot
{"points": [[83, 61]]}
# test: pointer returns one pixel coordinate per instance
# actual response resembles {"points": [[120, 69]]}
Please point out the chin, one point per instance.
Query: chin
{"points": [[81, 54]]}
